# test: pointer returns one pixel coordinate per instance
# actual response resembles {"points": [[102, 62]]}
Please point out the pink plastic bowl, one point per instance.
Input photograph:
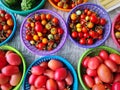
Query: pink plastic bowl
{"points": [[117, 18]]}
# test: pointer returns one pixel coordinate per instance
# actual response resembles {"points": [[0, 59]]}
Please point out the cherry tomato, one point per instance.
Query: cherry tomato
{"points": [[91, 72], [1, 27], [2, 12], [93, 18], [60, 31], [7, 16], [82, 41], [51, 84], [92, 33], [97, 80], [43, 16], [41, 46], [117, 77], [85, 61], [82, 16], [102, 21], [111, 65], [89, 12], [116, 86], [37, 17], [28, 37], [93, 63], [90, 41], [32, 79], [88, 80], [73, 16], [98, 87], [84, 30], [103, 54], [48, 16], [74, 34], [55, 20], [100, 31], [115, 57], [38, 27], [80, 34], [56, 1], [104, 73]]}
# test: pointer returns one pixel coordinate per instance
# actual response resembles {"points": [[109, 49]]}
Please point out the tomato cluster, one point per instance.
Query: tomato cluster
{"points": [[68, 4], [43, 31], [51, 75], [86, 26], [102, 72], [10, 73], [6, 25], [117, 31]]}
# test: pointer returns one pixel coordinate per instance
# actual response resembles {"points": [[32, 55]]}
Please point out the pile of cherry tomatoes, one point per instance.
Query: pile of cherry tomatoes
{"points": [[43, 31], [102, 71], [51, 75], [86, 27], [6, 25], [68, 4]]}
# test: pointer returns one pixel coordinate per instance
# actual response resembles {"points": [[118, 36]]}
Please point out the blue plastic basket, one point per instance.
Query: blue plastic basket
{"points": [[102, 13], [14, 28], [26, 85]]}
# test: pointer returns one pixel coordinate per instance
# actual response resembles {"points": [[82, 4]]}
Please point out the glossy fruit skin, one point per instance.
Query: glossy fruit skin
{"points": [[97, 80], [6, 86], [111, 65], [115, 57], [93, 63], [49, 73], [54, 64], [88, 81], [32, 79], [51, 84], [61, 85], [102, 21], [85, 61], [117, 77], [4, 79], [37, 70], [10, 70], [3, 62], [91, 72], [40, 81], [98, 87], [69, 79], [104, 73], [93, 19], [60, 74], [13, 59], [116, 86]]}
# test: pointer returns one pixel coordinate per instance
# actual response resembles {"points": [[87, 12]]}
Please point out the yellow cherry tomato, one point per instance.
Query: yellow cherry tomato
{"points": [[36, 37], [43, 22], [45, 40], [39, 34], [73, 16]]}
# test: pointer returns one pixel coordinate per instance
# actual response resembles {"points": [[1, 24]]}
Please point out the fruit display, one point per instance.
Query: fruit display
{"points": [[117, 31], [50, 75], [66, 5], [101, 71], [6, 25], [43, 31], [10, 69], [86, 26]]}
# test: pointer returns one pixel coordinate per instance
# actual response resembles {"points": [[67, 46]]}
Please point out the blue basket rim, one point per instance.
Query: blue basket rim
{"points": [[63, 60], [89, 46]]}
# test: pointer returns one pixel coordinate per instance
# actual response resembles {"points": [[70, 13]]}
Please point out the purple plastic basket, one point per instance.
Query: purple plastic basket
{"points": [[102, 13], [33, 49]]}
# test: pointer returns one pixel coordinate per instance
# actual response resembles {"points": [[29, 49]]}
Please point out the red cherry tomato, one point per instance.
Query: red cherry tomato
{"points": [[74, 34], [115, 57], [103, 54], [102, 21], [82, 41], [116, 86], [60, 31], [85, 61], [84, 30], [91, 72], [93, 18], [93, 63], [41, 46], [55, 20], [7, 16], [88, 80], [28, 37], [90, 41], [80, 34], [86, 35]]}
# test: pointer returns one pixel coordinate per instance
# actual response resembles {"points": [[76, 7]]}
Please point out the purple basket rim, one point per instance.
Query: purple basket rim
{"points": [[60, 44], [113, 35], [89, 46]]}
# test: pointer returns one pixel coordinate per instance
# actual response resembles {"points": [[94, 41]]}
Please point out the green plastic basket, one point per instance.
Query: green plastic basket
{"points": [[91, 52], [6, 47]]}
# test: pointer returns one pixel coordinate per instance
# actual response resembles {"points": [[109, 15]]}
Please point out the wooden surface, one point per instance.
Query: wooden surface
{"points": [[68, 51]]}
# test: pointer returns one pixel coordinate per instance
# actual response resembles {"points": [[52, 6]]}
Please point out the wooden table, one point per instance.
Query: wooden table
{"points": [[68, 51]]}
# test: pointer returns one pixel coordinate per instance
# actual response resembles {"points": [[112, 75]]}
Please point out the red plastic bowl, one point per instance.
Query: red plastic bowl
{"points": [[117, 18]]}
